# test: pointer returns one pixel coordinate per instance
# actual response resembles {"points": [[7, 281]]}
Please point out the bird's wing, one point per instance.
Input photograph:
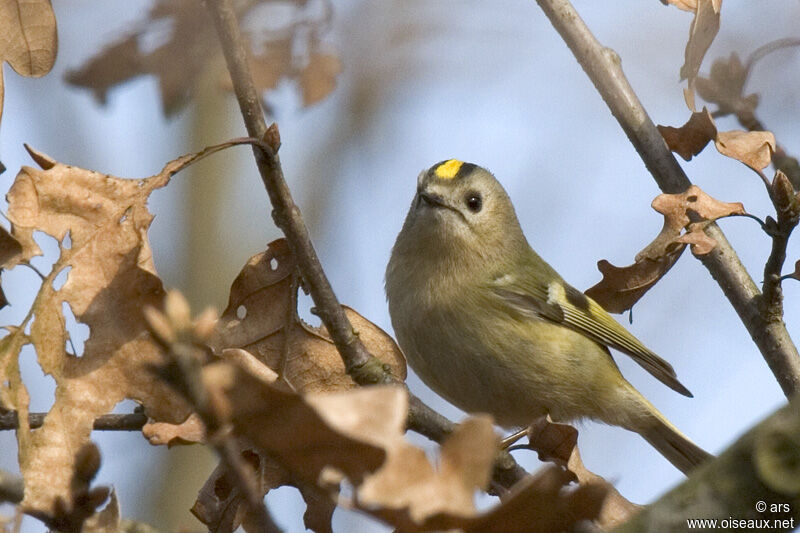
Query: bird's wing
{"points": [[561, 303]]}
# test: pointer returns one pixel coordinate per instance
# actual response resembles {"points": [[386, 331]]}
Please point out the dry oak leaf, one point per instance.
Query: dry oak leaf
{"points": [[702, 31], [181, 62], [177, 63], [725, 86], [753, 148], [559, 443], [346, 430], [622, 287], [111, 278], [692, 210], [261, 318], [411, 494], [690, 139], [28, 40]]}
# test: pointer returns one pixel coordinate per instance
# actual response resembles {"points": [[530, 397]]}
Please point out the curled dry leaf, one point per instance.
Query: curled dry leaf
{"points": [[110, 279], [29, 42], [690, 139], [753, 148], [261, 318], [702, 31], [691, 210]]}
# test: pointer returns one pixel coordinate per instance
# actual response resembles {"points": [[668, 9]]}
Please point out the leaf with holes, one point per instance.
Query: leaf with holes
{"points": [[262, 319], [111, 279]]}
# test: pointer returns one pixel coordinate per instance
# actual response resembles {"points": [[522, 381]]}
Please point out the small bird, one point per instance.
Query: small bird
{"points": [[490, 326]]}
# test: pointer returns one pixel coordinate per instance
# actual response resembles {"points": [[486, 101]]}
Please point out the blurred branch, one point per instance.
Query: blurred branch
{"points": [[756, 479], [363, 367], [602, 65]]}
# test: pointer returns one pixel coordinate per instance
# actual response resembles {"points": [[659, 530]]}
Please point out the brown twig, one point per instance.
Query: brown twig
{"points": [[120, 422], [363, 367], [602, 65]]}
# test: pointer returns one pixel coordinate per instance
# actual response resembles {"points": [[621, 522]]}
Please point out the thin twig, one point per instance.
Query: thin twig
{"points": [[115, 422], [602, 65], [363, 367]]}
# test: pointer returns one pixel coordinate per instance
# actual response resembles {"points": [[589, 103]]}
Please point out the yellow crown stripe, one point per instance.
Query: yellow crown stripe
{"points": [[448, 169]]}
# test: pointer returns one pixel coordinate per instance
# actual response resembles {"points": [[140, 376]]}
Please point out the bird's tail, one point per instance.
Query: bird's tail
{"points": [[684, 454]]}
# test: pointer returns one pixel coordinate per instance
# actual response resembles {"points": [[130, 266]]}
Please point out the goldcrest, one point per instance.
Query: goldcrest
{"points": [[491, 327]]}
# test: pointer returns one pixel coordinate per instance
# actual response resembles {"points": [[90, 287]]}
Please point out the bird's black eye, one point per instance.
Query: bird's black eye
{"points": [[474, 201]]}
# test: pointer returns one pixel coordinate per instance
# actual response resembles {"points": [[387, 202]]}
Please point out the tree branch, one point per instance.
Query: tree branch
{"points": [[756, 478], [363, 367], [602, 65], [114, 422]]}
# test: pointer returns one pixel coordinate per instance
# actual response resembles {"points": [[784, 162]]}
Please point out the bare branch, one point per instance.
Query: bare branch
{"points": [[602, 65], [114, 422]]}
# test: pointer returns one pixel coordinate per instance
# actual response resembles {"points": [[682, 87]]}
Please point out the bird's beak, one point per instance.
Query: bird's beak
{"points": [[430, 199]]}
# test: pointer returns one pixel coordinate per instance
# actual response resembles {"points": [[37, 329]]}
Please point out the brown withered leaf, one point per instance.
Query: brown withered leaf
{"points": [[219, 502], [10, 251], [178, 63], [725, 86], [29, 42], [541, 504], [10, 248], [261, 318], [318, 78], [182, 60], [615, 509], [702, 31], [753, 148], [345, 430], [111, 278], [559, 443], [690, 139], [409, 493], [552, 441], [191, 431], [622, 287], [691, 211]]}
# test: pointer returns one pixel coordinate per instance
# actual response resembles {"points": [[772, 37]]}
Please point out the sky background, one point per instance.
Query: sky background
{"points": [[486, 82]]}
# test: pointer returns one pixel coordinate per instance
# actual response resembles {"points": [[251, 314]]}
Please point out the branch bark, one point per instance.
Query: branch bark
{"points": [[363, 367], [603, 67], [114, 422], [757, 478]]}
